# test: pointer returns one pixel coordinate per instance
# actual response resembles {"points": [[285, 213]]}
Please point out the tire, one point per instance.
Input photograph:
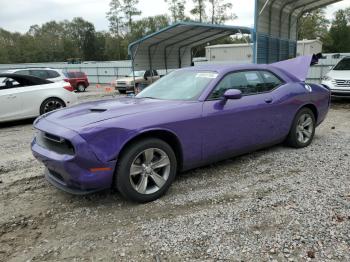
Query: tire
{"points": [[123, 92], [303, 129], [81, 88], [51, 104], [156, 180]]}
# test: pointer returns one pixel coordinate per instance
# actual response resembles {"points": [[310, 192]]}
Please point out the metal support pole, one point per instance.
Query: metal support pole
{"points": [[255, 33], [133, 66]]}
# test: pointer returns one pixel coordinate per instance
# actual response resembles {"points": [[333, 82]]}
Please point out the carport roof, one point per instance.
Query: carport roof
{"points": [[170, 47]]}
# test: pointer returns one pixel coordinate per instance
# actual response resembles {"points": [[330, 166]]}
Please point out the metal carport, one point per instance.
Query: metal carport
{"points": [[171, 47], [276, 23]]}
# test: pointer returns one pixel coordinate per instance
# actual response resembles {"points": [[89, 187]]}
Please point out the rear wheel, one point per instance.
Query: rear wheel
{"points": [[51, 104], [146, 170], [81, 88], [303, 129]]}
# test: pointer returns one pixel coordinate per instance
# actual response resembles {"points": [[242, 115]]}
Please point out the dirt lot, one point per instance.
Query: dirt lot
{"points": [[276, 204]]}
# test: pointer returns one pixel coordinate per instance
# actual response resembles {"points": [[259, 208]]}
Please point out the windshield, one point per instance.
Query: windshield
{"points": [[344, 64], [137, 74], [179, 85]]}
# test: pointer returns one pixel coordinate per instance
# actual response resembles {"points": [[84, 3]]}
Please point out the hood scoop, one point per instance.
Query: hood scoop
{"points": [[97, 110]]}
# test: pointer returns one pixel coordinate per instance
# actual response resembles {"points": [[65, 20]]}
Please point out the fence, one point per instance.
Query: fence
{"points": [[106, 72], [98, 73]]}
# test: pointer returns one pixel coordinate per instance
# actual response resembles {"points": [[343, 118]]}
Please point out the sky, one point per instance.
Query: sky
{"points": [[19, 15]]}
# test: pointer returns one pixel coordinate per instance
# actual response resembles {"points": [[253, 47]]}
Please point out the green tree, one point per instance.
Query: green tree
{"points": [[177, 9], [340, 33], [115, 17], [149, 25], [313, 25], [130, 11], [199, 10], [221, 11], [83, 33]]}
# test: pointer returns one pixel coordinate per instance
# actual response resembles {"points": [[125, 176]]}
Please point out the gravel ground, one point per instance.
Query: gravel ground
{"points": [[278, 204]]}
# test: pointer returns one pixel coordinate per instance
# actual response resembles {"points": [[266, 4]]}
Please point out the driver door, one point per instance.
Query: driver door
{"points": [[10, 105], [237, 126]]}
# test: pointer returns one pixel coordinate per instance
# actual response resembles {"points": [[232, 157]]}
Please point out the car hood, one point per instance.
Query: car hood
{"points": [[340, 74], [128, 79], [79, 116]]}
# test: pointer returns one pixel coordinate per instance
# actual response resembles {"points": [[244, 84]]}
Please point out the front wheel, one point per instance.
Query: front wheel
{"points": [[146, 170], [303, 129], [51, 104]]}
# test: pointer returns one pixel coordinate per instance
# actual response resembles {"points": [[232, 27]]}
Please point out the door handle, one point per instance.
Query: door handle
{"points": [[11, 97], [268, 100]]}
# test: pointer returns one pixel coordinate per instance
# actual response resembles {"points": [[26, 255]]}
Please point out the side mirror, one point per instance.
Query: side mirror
{"points": [[330, 67], [233, 94]]}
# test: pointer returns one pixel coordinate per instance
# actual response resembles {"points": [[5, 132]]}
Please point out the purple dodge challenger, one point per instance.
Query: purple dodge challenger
{"points": [[189, 118]]}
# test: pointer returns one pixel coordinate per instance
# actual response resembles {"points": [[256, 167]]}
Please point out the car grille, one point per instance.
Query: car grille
{"points": [[121, 83], [54, 143], [342, 83]]}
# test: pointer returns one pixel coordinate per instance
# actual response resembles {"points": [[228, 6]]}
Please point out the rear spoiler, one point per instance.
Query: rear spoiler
{"points": [[298, 67]]}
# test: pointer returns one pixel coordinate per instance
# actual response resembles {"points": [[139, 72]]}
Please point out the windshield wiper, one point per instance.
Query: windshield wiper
{"points": [[147, 97]]}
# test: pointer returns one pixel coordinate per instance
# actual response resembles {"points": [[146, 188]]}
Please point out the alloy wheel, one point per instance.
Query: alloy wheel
{"points": [[304, 128], [53, 105], [149, 171]]}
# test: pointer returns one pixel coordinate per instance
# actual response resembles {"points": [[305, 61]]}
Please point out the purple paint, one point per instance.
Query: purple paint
{"points": [[207, 131]]}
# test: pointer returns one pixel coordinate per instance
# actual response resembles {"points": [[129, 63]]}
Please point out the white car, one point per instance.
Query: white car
{"points": [[54, 75], [28, 97], [338, 79]]}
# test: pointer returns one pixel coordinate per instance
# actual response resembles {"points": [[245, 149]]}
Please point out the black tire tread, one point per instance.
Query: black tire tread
{"points": [[121, 176], [41, 111], [292, 140]]}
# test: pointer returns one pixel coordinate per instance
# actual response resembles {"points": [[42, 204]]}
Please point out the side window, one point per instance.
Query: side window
{"points": [[23, 72], [39, 73], [249, 82], [155, 73], [271, 81], [148, 73], [52, 74]]}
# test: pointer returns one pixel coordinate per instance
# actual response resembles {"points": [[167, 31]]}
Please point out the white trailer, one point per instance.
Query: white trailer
{"points": [[242, 53]]}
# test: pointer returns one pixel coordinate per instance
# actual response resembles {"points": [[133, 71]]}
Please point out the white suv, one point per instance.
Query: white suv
{"points": [[54, 75], [338, 79]]}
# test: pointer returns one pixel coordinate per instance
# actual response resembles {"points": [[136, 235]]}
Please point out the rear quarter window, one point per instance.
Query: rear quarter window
{"points": [[271, 81], [52, 74], [80, 74], [70, 74]]}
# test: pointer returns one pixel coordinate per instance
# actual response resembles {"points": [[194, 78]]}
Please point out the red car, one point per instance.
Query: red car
{"points": [[78, 80]]}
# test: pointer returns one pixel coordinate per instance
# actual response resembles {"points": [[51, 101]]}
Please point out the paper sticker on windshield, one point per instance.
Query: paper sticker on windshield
{"points": [[207, 75]]}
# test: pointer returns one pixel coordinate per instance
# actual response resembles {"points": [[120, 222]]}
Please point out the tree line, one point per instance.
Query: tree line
{"points": [[334, 34], [59, 41]]}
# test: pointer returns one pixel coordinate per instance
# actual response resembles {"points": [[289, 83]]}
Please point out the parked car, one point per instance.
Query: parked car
{"points": [[338, 78], [54, 75], [142, 78], [27, 96], [189, 118], [78, 80]]}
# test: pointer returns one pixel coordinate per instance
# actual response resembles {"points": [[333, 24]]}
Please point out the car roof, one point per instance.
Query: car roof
{"points": [[33, 79], [32, 68], [222, 68]]}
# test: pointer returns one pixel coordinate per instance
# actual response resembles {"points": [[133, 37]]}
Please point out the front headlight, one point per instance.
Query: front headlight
{"points": [[327, 78]]}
